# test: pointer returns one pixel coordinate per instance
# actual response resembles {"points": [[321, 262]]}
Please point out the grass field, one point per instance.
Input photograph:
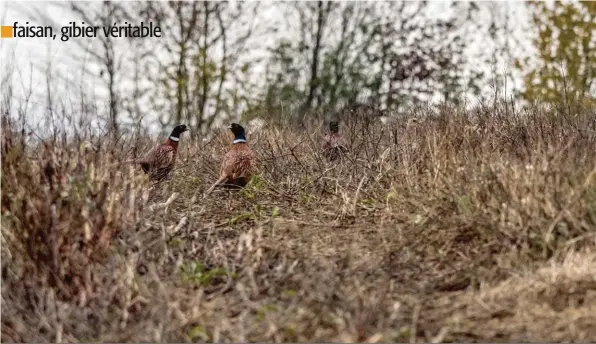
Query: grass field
{"points": [[461, 226]]}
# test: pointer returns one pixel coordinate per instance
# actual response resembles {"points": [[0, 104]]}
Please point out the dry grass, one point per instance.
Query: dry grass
{"points": [[463, 226]]}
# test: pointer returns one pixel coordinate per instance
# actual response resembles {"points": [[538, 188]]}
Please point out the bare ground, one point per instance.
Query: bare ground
{"points": [[458, 228]]}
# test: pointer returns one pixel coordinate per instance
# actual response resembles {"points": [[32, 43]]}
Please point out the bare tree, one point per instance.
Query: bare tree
{"points": [[200, 61], [387, 54]]}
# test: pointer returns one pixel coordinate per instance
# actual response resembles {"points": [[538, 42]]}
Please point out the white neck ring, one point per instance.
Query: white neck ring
{"points": [[239, 141], [175, 139]]}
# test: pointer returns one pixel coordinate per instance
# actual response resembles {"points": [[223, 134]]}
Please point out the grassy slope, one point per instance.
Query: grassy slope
{"points": [[449, 229]]}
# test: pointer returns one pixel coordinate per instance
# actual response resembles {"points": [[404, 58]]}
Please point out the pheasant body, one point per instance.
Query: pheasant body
{"points": [[238, 164], [333, 144], [159, 162]]}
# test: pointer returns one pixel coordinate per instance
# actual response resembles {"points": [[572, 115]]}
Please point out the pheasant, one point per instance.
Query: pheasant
{"points": [[159, 161], [333, 145], [238, 164]]}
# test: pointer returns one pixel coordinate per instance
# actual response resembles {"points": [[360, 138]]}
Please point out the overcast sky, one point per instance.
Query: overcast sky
{"points": [[31, 56]]}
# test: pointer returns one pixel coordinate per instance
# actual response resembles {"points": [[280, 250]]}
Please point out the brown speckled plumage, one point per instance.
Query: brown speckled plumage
{"points": [[333, 144], [238, 164], [160, 161]]}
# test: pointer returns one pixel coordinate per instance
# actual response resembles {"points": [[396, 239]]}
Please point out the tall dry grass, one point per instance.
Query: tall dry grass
{"points": [[391, 244]]}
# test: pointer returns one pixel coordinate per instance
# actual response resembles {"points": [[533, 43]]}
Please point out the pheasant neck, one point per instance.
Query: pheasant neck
{"points": [[172, 141], [239, 138]]}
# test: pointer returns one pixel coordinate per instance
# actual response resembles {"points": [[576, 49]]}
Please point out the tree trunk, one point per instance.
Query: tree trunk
{"points": [[314, 67]]}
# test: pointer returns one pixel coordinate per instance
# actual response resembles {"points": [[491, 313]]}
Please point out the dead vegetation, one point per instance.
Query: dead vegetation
{"points": [[458, 226]]}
